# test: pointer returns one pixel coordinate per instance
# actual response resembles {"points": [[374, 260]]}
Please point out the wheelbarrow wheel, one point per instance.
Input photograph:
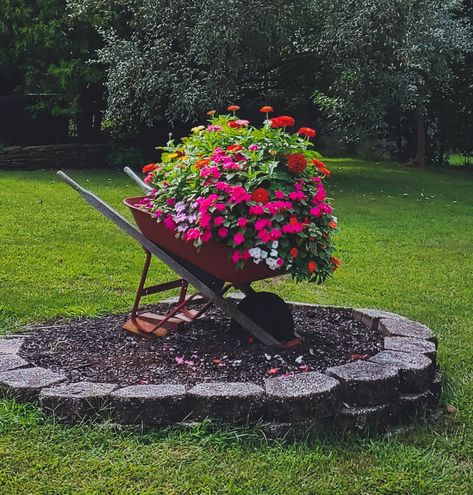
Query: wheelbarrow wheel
{"points": [[270, 312]]}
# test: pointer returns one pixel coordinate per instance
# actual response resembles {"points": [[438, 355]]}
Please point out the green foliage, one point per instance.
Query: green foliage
{"points": [[175, 60], [43, 51], [387, 57]]}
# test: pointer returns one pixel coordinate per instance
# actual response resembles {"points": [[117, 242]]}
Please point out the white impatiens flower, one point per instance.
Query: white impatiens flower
{"points": [[264, 254], [273, 253], [272, 263], [275, 244], [255, 252]]}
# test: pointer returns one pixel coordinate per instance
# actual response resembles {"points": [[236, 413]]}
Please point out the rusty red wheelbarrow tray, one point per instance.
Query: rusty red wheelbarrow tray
{"points": [[209, 270]]}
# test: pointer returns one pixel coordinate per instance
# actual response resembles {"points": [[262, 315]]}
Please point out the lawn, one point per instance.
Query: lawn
{"points": [[406, 242]]}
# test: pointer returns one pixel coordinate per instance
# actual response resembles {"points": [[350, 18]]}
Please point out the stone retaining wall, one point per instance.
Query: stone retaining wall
{"points": [[391, 387], [54, 156]]}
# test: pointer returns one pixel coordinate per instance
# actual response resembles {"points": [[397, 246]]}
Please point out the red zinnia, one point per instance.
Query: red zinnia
{"points": [[282, 121], [311, 266], [233, 108], [307, 132], [294, 252], [296, 163], [150, 167], [235, 148], [260, 195], [266, 109]]}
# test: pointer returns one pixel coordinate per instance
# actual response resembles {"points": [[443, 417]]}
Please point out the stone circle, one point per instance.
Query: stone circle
{"points": [[391, 387]]}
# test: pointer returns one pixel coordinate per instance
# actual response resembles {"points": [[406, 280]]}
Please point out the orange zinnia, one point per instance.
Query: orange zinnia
{"points": [[233, 108], [332, 224], [201, 163], [211, 113], [150, 167], [266, 109]]}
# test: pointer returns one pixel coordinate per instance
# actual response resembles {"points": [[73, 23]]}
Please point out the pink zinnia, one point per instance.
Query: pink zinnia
{"points": [[253, 147]]}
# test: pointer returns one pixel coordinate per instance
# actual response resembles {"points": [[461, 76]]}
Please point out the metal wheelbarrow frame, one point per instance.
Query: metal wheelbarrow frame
{"points": [[209, 287]]}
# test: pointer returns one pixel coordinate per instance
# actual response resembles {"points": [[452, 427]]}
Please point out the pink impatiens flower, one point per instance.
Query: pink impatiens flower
{"points": [[222, 232], [169, 223], [279, 194], [242, 222], [219, 221], [238, 238]]}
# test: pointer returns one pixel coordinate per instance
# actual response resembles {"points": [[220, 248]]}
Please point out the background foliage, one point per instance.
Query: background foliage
{"points": [[395, 73]]}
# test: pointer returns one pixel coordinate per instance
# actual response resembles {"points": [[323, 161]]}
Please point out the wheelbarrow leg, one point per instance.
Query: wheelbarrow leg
{"points": [[202, 286]]}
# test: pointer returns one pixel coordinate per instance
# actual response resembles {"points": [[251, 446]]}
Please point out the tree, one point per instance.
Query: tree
{"points": [[388, 59], [42, 51], [175, 60]]}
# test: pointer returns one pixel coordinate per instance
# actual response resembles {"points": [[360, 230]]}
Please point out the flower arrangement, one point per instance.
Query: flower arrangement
{"points": [[258, 190]]}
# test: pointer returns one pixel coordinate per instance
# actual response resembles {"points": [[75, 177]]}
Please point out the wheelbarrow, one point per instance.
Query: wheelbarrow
{"points": [[260, 315]]}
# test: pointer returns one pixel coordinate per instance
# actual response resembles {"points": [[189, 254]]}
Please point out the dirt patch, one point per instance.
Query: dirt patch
{"points": [[97, 349]]}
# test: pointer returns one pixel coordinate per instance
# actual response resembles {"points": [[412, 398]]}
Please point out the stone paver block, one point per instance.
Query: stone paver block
{"points": [[415, 369], [75, 401], [149, 404], [26, 383], [415, 404], [364, 418], [365, 383], [303, 396], [10, 345], [408, 344], [232, 401], [398, 327], [11, 361], [371, 317]]}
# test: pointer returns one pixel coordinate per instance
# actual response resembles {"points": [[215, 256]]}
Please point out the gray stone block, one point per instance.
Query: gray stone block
{"points": [[409, 344], [415, 370], [11, 361], [149, 404], [366, 383], [398, 327], [415, 404], [370, 317], [364, 418], [232, 401], [301, 397], [76, 401], [26, 383], [10, 345]]}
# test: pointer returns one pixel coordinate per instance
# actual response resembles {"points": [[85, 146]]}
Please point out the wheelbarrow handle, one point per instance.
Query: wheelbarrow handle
{"points": [[128, 171], [181, 270]]}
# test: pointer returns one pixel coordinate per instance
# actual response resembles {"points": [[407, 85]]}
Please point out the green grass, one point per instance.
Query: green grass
{"points": [[459, 160], [407, 245]]}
